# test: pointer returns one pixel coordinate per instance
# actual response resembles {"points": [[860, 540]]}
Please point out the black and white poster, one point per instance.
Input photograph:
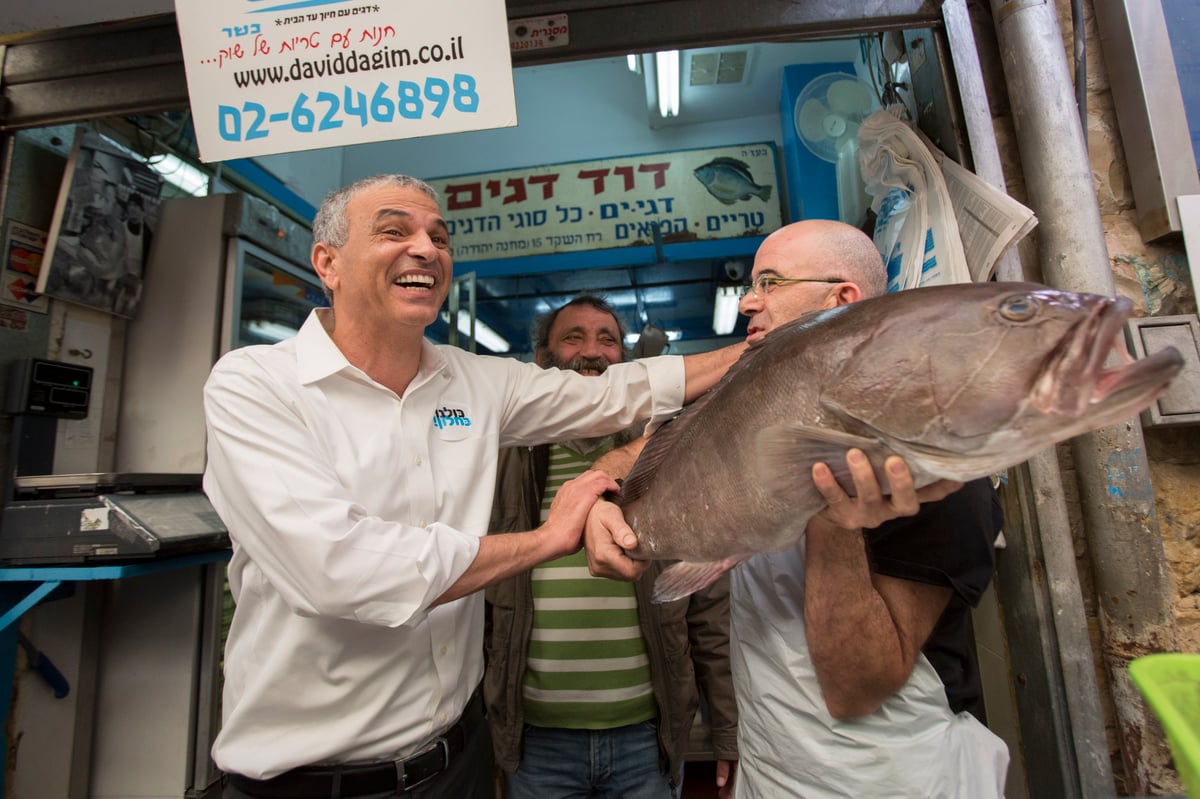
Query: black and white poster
{"points": [[103, 222]]}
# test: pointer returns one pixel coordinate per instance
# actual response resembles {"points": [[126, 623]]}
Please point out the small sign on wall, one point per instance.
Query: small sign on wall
{"points": [[539, 33], [274, 76], [24, 247]]}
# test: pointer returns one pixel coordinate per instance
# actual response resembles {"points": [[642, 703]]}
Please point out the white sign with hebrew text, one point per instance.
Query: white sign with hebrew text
{"points": [[275, 76]]}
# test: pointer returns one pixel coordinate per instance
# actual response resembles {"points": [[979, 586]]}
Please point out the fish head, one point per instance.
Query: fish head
{"points": [[973, 378]]}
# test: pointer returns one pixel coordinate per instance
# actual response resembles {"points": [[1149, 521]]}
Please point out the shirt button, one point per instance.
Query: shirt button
{"points": [[442, 651], [441, 718], [418, 460]]}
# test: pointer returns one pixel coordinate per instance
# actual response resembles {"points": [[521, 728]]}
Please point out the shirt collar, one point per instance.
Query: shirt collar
{"points": [[317, 357]]}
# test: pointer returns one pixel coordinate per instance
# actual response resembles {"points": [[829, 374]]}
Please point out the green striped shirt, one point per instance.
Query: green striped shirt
{"points": [[587, 666]]}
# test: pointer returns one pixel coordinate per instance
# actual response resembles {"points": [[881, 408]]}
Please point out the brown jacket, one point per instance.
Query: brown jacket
{"points": [[687, 641]]}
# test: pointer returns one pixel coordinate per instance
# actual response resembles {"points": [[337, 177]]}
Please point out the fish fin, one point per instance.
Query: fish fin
{"points": [[787, 452], [686, 578], [741, 166], [724, 200], [646, 466]]}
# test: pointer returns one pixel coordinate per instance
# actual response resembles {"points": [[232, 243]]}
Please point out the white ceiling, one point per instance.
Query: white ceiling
{"points": [[757, 93]]}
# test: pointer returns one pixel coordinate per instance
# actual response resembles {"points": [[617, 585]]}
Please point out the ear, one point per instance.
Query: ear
{"points": [[845, 293], [324, 263]]}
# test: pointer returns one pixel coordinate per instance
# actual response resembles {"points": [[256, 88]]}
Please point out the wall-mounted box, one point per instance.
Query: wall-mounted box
{"points": [[1150, 113], [1148, 335], [40, 387]]}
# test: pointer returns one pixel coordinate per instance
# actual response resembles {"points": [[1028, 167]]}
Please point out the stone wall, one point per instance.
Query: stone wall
{"points": [[1155, 277]]}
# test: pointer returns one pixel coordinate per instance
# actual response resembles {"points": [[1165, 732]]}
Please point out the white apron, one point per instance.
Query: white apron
{"points": [[789, 745]]}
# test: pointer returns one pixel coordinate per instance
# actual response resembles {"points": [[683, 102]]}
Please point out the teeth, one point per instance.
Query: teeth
{"points": [[415, 281]]}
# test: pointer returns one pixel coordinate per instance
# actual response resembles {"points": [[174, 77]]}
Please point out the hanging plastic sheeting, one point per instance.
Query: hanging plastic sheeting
{"points": [[936, 222]]}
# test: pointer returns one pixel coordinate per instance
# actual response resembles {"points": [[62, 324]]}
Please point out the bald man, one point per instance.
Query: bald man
{"points": [[853, 656]]}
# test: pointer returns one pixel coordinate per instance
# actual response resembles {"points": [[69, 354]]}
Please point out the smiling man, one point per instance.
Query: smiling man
{"points": [[591, 688], [358, 515]]}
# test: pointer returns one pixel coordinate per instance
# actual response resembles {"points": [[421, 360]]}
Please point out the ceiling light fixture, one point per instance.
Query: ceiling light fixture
{"points": [[673, 334], [174, 170], [483, 334], [635, 63], [179, 172], [725, 309], [666, 67], [271, 331]]}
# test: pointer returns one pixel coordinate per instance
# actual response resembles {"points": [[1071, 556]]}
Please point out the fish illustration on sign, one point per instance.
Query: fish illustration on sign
{"points": [[729, 180]]}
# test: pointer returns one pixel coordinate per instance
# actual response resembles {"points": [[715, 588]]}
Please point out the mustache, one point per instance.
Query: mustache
{"points": [[584, 363]]}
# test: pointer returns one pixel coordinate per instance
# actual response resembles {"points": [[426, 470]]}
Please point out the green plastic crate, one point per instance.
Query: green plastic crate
{"points": [[1171, 684]]}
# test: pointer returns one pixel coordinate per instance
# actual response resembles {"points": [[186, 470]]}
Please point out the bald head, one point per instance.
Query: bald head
{"points": [[825, 248]]}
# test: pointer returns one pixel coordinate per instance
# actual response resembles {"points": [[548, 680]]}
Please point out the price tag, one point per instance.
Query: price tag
{"points": [[538, 33]]}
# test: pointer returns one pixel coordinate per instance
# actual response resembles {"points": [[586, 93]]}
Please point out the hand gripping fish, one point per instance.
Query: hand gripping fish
{"points": [[962, 381]]}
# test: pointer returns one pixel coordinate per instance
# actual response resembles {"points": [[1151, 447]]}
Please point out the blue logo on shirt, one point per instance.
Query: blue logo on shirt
{"points": [[450, 417]]}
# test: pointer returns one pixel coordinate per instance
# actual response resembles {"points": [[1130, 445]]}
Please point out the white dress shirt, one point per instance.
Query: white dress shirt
{"points": [[789, 745], [350, 510]]}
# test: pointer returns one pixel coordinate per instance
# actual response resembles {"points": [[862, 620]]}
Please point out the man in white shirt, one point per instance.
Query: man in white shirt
{"points": [[354, 467]]}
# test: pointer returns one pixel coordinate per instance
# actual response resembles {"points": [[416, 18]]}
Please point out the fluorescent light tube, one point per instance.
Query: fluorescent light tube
{"points": [[174, 170], [666, 67], [725, 309], [483, 334], [181, 173], [272, 331], [672, 333]]}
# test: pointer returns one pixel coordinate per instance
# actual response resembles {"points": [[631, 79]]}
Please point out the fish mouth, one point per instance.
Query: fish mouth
{"points": [[1077, 382]]}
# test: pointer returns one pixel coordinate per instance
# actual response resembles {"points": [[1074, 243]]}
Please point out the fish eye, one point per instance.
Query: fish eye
{"points": [[1019, 308]]}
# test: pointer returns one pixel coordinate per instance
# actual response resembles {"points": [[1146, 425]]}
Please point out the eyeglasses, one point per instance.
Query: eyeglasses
{"points": [[765, 284]]}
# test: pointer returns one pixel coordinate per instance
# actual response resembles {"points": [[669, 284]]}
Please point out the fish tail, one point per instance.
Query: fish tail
{"points": [[765, 193], [684, 578]]}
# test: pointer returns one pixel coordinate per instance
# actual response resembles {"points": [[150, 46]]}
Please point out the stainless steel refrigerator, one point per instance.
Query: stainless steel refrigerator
{"points": [[224, 271]]}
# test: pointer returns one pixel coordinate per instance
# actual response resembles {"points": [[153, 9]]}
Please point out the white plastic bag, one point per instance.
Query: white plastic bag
{"points": [[915, 229]]}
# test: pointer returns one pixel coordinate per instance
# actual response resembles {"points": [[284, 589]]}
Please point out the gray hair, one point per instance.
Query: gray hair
{"points": [[540, 335], [330, 225]]}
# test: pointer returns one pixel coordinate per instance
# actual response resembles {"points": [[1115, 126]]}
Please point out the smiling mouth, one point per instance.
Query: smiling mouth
{"points": [[415, 282]]}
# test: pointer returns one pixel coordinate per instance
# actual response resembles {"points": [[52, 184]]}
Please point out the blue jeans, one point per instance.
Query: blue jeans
{"points": [[621, 763]]}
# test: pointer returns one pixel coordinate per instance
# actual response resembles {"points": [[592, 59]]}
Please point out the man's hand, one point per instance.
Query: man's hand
{"points": [[504, 554], [870, 508], [606, 537], [563, 528], [726, 771]]}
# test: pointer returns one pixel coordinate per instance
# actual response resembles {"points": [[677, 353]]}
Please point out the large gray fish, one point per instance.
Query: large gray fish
{"points": [[962, 381]]}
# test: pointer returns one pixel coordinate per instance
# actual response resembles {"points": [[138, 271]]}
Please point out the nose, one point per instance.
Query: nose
{"points": [[749, 304], [591, 348], [421, 246]]}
